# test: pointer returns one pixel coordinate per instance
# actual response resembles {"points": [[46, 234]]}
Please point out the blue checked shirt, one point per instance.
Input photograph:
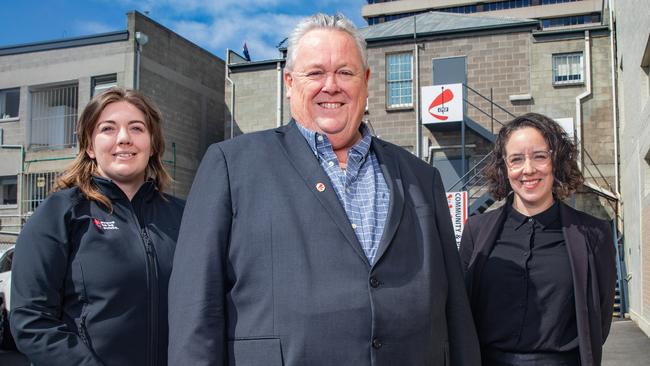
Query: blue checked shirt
{"points": [[361, 187]]}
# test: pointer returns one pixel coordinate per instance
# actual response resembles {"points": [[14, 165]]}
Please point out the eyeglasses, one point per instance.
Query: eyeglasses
{"points": [[341, 76], [538, 159]]}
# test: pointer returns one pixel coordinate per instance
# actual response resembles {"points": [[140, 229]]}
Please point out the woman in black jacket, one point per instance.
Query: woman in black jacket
{"points": [[540, 274], [91, 266]]}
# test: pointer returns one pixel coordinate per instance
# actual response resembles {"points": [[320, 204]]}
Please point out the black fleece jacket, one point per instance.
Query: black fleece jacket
{"points": [[89, 287]]}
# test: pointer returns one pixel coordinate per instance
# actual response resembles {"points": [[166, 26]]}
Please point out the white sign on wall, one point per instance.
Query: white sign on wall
{"points": [[567, 125], [457, 202], [442, 103]]}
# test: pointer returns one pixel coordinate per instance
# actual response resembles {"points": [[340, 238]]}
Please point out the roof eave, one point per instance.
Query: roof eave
{"points": [[530, 24], [109, 37]]}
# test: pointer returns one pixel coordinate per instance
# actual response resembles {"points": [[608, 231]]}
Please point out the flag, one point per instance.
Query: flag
{"points": [[247, 56]]}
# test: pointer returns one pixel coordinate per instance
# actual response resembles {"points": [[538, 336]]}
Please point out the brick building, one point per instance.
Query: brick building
{"points": [[45, 85]]}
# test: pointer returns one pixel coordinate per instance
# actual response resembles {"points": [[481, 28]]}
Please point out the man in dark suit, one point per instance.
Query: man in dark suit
{"points": [[316, 243]]}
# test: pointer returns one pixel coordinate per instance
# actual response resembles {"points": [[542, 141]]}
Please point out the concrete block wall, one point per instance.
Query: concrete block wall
{"points": [[187, 84], [256, 106]]}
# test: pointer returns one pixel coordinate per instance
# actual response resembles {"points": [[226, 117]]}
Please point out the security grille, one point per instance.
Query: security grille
{"points": [[53, 117], [36, 187]]}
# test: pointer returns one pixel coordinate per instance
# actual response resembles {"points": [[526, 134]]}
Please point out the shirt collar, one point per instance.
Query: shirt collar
{"points": [[316, 140], [544, 219], [113, 192]]}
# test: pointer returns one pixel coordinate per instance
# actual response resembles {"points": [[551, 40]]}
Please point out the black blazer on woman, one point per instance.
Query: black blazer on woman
{"points": [[591, 254]]}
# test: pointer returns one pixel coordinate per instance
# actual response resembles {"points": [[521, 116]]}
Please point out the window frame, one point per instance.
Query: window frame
{"points": [[99, 80], [566, 57], [44, 97], [388, 82], [13, 180], [3, 105]]}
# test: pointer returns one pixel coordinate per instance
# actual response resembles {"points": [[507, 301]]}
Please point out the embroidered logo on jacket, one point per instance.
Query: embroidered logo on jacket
{"points": [[105, 225]]}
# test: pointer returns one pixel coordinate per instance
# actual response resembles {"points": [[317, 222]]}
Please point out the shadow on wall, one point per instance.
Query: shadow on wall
{"points": [[230, 130], [594, 204]]}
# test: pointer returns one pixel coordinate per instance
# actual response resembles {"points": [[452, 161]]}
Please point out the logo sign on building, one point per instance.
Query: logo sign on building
{"points": [[457, 202], [442, 103]]}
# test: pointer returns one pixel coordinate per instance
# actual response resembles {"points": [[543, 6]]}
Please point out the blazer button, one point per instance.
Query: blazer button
{"points": [[376, 343], [374, 282]]}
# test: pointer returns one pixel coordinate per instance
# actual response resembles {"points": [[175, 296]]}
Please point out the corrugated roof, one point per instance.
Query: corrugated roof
{"points": [[438, 22]]}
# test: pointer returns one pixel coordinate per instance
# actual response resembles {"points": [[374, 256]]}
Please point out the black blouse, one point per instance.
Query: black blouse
{"points": [[526, 289]]}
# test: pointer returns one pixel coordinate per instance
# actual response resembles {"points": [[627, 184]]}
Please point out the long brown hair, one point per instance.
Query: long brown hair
{"points": [[566, 174], [80, 173]]}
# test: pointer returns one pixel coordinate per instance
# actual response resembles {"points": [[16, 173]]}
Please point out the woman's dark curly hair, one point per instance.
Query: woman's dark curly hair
{"points": [[567, 176]]}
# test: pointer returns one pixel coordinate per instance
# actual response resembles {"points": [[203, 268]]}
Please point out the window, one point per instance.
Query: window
{"points": [[567, 68], [571, 20], [102, 83], [53, 117], [8, 190], [9, 102], [36, 187], [399, 80]]}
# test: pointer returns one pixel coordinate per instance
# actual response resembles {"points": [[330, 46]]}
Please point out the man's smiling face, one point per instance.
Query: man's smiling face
{"points": [[328, 85]]}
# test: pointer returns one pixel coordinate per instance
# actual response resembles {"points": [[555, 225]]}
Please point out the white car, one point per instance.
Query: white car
{"points": [[6, 258]]}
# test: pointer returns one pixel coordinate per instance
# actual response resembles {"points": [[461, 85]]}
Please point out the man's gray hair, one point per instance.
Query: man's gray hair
{"points": [[323, 21]]}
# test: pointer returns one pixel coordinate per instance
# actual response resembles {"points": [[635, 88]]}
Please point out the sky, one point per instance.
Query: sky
{"points": [[212, 24]]}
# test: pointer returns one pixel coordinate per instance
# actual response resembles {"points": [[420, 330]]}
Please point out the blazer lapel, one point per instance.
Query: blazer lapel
{"points": [[390, 169], [306, 164], [485, 241], [578, 258]]}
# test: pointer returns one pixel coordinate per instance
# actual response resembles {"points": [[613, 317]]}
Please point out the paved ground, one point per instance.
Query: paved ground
{"points": [[626, 345]]}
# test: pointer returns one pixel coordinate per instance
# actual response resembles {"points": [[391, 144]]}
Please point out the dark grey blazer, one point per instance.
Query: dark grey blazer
{"points": [[591, 255], [268, 270]]}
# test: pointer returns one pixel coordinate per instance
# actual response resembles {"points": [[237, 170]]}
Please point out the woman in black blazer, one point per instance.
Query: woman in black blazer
{"points": [[540, 274]]}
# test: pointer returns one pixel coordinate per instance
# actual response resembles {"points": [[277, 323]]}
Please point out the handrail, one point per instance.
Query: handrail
{"points": [[484, 112], [489, 100], [463, 178], [593, 163]]}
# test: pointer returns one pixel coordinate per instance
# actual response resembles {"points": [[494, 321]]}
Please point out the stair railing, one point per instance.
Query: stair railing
{"points": [[474, 181], [492, 106]]}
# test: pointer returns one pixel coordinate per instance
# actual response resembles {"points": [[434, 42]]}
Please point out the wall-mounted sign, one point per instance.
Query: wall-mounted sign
{"points": [[457, 202], [442, 103]]}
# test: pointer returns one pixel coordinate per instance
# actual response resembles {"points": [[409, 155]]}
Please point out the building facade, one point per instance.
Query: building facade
{"points": [[44, 86], [552, 13], [633, 59]]}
